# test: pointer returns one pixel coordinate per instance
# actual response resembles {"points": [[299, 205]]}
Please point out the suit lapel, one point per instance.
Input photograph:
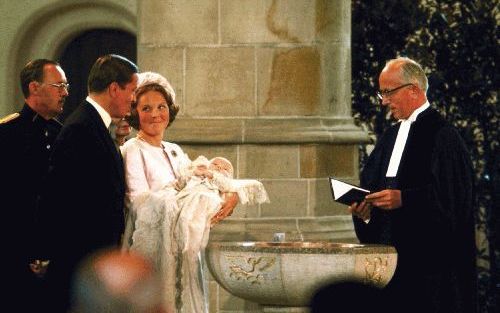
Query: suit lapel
{"points": [[103, 133]]}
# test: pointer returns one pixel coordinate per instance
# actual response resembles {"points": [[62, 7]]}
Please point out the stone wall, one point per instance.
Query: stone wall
{"points": [[265, 83]]}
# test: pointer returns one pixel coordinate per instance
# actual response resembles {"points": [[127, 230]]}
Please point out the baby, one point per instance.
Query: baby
{"points": [[217, 171], [201, 188], [216, 176]]}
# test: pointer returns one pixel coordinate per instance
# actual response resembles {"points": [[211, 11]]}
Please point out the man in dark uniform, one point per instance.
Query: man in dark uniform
{"points": [[26, 139], [422, 200]]}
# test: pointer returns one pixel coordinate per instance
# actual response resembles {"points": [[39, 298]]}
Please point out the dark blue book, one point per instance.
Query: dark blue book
{"points": [[346, 193]]}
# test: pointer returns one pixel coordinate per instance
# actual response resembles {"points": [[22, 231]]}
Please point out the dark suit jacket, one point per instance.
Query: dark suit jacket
{"points": [[81, 208]]}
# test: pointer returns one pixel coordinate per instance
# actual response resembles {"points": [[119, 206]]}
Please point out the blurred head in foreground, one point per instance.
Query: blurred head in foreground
{"points": [[115, 281]]}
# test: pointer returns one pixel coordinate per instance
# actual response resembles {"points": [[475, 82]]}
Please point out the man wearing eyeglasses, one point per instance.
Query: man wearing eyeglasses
{"points": [[421, 179], [26, 139]]}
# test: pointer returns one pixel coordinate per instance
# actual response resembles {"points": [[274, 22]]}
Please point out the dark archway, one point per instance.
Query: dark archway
{"points": [[80, 54]]}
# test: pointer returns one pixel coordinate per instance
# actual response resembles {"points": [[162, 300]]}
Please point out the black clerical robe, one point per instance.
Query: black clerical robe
{"points": [[433, 232]]}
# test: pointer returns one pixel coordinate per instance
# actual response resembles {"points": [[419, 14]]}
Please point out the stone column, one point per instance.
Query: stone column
{"points": [[267, 84]]}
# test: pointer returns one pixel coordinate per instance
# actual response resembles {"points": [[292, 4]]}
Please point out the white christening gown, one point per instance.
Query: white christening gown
{"points": [[172, 227]]}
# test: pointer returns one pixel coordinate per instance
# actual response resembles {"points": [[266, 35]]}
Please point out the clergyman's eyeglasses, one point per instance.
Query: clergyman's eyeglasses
{"points": [[387, 93]]}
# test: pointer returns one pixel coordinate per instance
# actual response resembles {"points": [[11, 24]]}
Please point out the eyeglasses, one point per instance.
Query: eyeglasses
{"points": [[59, 85], [386, 93]]}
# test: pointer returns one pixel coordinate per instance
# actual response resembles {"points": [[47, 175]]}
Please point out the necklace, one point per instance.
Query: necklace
{"points": [[155, 144], [165, 154]]}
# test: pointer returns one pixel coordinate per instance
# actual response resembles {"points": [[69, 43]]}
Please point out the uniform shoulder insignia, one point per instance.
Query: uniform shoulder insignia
{"points": [[9, 117]]}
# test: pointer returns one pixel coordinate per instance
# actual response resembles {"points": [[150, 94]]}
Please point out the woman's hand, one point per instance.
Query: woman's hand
{"points": [[227, 207], [202, 171]]}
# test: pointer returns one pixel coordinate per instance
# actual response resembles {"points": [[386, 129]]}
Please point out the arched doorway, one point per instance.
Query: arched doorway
{"points": [[49, 28], [80, 54]]}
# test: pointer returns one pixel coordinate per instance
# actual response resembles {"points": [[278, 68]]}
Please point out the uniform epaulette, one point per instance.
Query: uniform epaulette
{"points": [[9, 117]]}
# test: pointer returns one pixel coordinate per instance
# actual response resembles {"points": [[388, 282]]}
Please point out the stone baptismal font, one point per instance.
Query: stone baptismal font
{"points": [[283, 276]]}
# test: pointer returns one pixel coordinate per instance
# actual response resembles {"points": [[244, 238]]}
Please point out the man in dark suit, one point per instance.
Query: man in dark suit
{"points": [[422, 203], [81, 208], [26, 138]]}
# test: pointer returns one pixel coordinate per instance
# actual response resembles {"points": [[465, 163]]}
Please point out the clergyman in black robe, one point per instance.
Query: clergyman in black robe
{"points": [[425, 210]]}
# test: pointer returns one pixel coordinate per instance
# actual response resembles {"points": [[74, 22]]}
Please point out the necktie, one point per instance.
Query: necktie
{"points": [[112, 130]]}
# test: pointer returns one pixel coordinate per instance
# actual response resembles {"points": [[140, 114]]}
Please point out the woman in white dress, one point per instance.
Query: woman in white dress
{"points": [[152, 169]]}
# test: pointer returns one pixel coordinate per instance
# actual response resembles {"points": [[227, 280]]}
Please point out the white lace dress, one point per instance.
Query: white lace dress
{"points": [[172, 227], [155, 225]]}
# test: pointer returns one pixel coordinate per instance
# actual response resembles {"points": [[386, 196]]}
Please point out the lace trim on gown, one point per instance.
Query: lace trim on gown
{"points": [[172, 229]]}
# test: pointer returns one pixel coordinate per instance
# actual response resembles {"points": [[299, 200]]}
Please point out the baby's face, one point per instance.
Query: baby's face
{"points": [[222, 166]]}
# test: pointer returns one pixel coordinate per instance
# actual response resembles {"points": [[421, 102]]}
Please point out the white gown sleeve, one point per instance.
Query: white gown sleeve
{"points": [[223, 183], [135, 178], [135, 171], [250, 191]]}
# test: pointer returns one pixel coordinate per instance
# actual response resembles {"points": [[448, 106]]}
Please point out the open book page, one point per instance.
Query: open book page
{"points": [[346, 193]]}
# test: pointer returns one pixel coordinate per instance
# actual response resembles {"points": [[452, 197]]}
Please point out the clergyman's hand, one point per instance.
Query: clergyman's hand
{"points": [[387, 199], [362, 211], [39, 267]]}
